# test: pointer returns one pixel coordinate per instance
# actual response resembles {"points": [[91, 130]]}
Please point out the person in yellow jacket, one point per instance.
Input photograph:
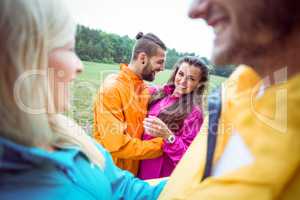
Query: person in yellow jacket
{"points": [[121, 106], [256, 151]]}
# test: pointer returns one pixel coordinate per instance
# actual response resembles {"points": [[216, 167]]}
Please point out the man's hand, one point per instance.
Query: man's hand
{"points": [[157, 128]]}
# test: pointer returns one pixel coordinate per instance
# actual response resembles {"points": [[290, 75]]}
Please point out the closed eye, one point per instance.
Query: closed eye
{"points": [[181, 73], [192, 79], [160, 62]]}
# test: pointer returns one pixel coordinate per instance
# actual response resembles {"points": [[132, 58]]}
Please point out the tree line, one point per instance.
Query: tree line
{"points": [[98, 46]]}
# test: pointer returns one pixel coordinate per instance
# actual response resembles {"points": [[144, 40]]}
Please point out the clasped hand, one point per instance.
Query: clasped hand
{"points": [[156, 127]]}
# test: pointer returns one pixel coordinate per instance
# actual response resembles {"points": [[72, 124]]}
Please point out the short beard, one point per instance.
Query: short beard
{"points": [[147, 73]]}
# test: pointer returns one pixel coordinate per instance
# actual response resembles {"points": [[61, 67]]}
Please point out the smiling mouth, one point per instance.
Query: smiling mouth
{"points": [[219, 24], [182, 88]]}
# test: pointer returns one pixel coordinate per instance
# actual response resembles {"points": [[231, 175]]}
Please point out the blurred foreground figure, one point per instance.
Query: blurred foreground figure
{"points": [[252, 149], [43, 154]]}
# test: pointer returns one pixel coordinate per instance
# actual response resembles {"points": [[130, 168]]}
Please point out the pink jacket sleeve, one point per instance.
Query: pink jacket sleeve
{"points": [[184, 136]]}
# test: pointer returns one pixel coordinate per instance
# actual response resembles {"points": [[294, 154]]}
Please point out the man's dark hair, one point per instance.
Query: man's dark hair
{"points": [[148, 44]]}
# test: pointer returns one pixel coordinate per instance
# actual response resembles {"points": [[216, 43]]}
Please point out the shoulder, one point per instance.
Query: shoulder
{"points": [[30, 185], [37, 191], [111, 85], [243, 78], [110, 82]]}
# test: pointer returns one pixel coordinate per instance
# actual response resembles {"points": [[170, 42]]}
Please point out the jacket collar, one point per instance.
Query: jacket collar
{"points": [[130, 75]]}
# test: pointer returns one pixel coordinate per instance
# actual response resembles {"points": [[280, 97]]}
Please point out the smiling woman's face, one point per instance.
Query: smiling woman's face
{"points": [[186, 79], [64, 66]]}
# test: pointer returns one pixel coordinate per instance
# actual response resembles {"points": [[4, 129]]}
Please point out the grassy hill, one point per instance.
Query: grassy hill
{"points": [[86, 85]]}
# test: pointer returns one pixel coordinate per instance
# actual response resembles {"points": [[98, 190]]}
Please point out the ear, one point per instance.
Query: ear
{"points": [[142, 58]]}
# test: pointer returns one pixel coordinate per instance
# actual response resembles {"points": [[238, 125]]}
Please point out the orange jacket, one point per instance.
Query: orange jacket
{"points": [[119, 110]]}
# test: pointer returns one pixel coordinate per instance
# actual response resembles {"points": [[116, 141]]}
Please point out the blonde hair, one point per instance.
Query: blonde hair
{"points": [[30, 30]]}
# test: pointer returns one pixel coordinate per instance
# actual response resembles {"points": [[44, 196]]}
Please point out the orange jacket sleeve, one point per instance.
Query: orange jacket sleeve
{"points": [[110, 129]]}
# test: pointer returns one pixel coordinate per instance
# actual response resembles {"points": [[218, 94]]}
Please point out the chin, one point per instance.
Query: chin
{"points": [[67, 107], [226, 55], [219, 55], [227, 50], [220, 59]]}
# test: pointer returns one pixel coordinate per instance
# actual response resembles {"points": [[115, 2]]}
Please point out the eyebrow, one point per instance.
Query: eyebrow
{"points": [[191, 76]]}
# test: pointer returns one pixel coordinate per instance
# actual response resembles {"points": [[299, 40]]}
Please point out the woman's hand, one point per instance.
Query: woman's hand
{"points": [[157, 128]]}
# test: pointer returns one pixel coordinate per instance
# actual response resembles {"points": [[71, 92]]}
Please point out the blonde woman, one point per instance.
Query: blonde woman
{"points": [[43, 154]]}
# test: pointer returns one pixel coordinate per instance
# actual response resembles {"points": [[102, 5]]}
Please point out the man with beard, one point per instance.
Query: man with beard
{"points": [[255, 151], [121, 106]]}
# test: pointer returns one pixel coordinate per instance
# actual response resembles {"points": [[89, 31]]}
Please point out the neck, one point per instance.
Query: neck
{"points": [[282, 62], [135, 69]]}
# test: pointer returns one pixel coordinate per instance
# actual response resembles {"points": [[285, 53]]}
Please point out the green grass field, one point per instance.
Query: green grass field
{"points": [[86, 85]]}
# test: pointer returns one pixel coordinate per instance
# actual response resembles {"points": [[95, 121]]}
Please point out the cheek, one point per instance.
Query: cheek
{"points": [[192, 85], [177, 79], [63, 65], [62, 69], [152, 67], [252, 29]]}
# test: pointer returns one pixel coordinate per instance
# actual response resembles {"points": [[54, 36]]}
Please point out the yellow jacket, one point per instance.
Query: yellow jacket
{"points": [[269, 128], [119, 110]]}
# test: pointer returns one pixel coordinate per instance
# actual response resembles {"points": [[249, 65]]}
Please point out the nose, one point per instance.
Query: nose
{"points": [[79, 67], [183, 81], [199, 9]]}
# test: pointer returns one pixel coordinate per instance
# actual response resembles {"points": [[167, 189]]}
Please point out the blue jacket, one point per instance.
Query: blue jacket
{"points": [[32, 173]]}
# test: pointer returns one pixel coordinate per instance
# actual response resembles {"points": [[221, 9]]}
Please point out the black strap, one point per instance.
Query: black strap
{"points": [[214, 110]]}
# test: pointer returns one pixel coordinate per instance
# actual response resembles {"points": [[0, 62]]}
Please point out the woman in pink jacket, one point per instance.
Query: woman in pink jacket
{"points": [[175, 114]]}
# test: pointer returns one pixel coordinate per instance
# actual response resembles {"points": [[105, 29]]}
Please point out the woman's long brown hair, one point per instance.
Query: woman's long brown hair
{"points": [[174, 115]]}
